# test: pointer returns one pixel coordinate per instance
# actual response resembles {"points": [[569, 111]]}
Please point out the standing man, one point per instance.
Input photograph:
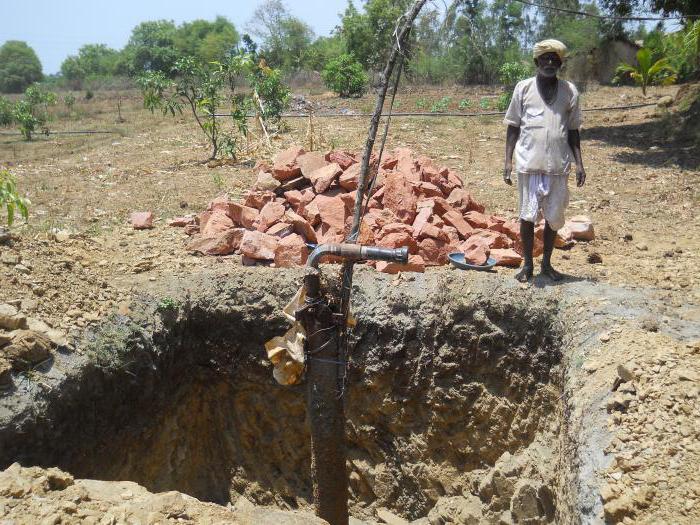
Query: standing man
{"points": [[543, 121]]}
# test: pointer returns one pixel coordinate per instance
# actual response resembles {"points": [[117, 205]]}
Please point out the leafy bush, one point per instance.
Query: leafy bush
{"points": [[465, 103], [33, 109], [440, 106], [421, 103], [69, 101], [511, 73], [484, 103], [23, 114], [503, 101], [89, 94], [10, 199], [5, 112], [344, 76]]}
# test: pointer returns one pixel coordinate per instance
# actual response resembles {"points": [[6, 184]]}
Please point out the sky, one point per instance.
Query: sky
{"points": [[56, 29]]}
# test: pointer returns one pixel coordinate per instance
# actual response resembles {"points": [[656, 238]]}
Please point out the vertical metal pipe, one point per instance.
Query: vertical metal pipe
{"points": [[325, 406]]}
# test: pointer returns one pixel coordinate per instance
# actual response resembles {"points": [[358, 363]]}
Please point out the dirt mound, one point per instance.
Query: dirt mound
{"points": [[50, 496]]}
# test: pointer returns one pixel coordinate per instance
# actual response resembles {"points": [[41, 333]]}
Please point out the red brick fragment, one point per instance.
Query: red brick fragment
{"points": [[271, 213], [222, 243], [284, 163], [453, 218], [280, 229], [506, 257], [399, 197], [322, 178], [581, 228], [301, 226], [242, 215], [142, 220], [476, 251], [258, 198], [415, 264], [350, 177], [291, 251], [342, 158], [433, 251], [310, 162], [258, 245], [215, 222], [491, 238], [181, 222]]}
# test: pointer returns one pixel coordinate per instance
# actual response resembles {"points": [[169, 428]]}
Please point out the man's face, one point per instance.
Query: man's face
{"points": [[548, 64]]}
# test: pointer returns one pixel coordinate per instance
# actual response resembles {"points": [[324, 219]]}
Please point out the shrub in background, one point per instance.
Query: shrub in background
{"points": [[344, 76]]}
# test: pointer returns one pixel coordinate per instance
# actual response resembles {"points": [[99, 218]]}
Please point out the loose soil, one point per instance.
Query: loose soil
{"points": [[639, 305]]}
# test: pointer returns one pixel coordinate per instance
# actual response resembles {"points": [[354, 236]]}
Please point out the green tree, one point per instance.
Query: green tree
{"points": [[369, 35], [285, 39], [647, 72], [151, 47], [19, 67], [92, 60], [208, 41]]}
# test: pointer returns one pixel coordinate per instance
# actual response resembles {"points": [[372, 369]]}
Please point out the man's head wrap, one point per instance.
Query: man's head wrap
{"points": [[549, 46]]}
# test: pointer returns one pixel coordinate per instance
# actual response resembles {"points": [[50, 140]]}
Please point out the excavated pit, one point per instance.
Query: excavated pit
{"points": [[453, 400]]}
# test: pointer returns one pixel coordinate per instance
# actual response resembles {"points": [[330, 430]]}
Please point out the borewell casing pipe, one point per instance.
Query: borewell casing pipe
{"points": [[325, 371]]}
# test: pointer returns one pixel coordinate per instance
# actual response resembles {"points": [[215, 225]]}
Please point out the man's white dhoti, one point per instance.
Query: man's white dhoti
{"points": [[546, 194]]}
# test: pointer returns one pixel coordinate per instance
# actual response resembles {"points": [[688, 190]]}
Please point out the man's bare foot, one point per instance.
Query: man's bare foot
{"points": [[551, 273], [525, 274]]}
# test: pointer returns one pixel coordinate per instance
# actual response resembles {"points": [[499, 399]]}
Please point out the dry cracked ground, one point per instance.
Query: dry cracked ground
{"points": [[628, 382]]}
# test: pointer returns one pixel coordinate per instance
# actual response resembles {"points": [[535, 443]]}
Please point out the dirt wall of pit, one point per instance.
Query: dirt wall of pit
{"points": [[452, 398]]}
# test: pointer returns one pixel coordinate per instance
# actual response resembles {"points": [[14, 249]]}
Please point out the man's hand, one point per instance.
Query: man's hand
{"points": [[506, 174], [580, 176]]}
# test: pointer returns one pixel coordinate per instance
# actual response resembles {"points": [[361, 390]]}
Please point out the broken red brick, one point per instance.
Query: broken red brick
{"points": [[181, 222], [310, 162], [142, 220], [215, 222], [399, 197], [342, 158], [506, 257], [564, 238], [291, 251], [453, 218], [350, 177], [407, 164], [280, 229], [322, 178], [222, 243], [415, 264], [301, 226], [284, 163], [332, 214], [270, 214], [258, 245], [475, 251], [581, 228], [433, 251], [242, 215], [491, 238], [257, 199]]}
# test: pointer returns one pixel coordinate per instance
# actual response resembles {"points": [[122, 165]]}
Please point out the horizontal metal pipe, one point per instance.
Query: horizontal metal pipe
{"points": [[357, 252]]}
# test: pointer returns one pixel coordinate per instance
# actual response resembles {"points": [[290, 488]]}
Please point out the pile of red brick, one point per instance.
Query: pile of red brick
{"points": [[309, 198]]}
